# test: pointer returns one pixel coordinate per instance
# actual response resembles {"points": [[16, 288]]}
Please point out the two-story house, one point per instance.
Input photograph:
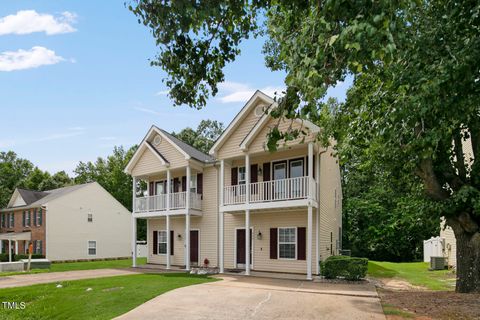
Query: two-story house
{"points": [[199, 206], [80, 222]]}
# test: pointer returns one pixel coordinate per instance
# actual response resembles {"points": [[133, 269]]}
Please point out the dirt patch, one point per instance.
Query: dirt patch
{"points": [[432, 304], [396, 284]]}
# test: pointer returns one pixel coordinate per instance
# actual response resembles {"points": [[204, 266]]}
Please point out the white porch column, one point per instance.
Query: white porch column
{"points": [[310, 169], [221, 216], [309, 243], [1, 246], [187, 221], [167, 228], [317, 220], [9, 250], [134, 223], [247, 215], [16, 246]]}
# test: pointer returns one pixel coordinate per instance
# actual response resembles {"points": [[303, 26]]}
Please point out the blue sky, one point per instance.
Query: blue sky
{"points": [[75, 81]]}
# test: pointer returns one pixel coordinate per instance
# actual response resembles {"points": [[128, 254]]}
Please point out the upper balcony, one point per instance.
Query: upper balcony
{"points": [[270, 194], [158, 203]]}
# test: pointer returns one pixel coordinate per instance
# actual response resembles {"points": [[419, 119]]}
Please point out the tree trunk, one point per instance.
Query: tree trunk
{"points": [[468, 259]]}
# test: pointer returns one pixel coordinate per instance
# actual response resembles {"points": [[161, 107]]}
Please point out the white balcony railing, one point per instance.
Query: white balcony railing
{"points": [[178, 200], [274, 190]]}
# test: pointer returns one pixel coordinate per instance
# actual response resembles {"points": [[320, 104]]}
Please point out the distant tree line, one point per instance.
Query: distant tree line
{"points": [[109, 172]]}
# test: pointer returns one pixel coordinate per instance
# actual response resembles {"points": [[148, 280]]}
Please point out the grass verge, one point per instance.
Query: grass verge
{"points": [[86, 265], [416, 273], [102, 298]]}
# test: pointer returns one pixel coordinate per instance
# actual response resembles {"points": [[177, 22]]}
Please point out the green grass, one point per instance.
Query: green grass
{"points": [[416, 273], [87, 265], [390, 310], [108, 297]]}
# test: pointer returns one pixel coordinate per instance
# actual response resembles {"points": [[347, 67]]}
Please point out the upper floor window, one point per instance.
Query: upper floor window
{"points": [[26, 218], [11, 220], [193, 184], [39, 217], [3, 220], [92, 248], [90, 217], [242, 177]]}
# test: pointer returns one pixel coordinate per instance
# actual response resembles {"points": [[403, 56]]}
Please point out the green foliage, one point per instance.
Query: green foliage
{"points": [[350, 268], [203, 137], [19, 257], [20, 173], [416, 74]]}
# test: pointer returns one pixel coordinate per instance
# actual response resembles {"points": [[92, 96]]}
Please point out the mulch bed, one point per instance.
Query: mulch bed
{"points": [[434, 304]]}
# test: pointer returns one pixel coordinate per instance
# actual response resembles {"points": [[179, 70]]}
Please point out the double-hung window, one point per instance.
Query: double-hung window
{"points": [[11, 220], [90, 217], [37, 248], [162, 242], [193, 184], [287, 243], [27, 218], [92, 248]]}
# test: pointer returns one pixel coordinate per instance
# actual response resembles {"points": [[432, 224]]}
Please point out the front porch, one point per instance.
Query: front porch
{"points": [[16, 238]]}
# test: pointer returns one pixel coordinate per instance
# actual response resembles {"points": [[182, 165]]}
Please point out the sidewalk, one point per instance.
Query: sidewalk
{"points": [[47, 277]]}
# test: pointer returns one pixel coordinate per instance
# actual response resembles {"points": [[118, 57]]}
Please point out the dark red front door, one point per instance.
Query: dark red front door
{"points": [[194, 246], [241, 246]]}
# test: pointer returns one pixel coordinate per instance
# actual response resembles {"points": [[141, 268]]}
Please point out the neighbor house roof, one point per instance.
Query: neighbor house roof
{"points": [[43, 197]]}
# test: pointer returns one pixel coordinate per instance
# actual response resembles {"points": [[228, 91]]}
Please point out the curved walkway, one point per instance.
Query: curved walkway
{"points": [[47, 277], [237, 297]]}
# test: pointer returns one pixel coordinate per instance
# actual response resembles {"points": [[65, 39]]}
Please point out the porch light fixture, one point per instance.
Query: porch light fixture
{"points": [[259, 235], [260, 172], [179, 236]]}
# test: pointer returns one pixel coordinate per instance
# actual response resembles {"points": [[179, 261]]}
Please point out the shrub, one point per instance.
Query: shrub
{"points": [[19, 257], [343, 266], [3, 257]]}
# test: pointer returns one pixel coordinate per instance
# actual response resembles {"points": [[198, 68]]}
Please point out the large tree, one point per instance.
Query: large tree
{"points": [[203, 137], [416, 87]]}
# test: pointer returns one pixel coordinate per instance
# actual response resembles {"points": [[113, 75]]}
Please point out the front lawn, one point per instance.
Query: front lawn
{"points": [[103, 298], [416, 273], [87, 265]]}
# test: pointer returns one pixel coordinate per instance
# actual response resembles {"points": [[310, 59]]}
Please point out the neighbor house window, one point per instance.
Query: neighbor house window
{"points": [[37, 246], [39, 217], [90, 217], [287, 243], [27, 218], [162, 242], [11, 220], [92, 248], [3, 220]]}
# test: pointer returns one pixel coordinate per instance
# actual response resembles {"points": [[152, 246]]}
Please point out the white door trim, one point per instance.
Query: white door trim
{"points": [[252, 246]]}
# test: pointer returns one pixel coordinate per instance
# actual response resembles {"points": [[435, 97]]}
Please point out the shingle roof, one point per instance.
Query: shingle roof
{"points": [[30, 196], [45, 196], [188, 149]]}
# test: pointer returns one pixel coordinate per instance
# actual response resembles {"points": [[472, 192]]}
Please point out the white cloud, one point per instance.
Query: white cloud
{"points": [[107, 138], [146, 110], [28, 59], [162, 93], [9, 143], [239, 92], [29, 21]]}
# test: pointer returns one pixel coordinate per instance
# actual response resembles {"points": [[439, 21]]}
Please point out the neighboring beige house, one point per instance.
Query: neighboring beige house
{"points": [[72, 223], [446, 233], [198, 206]]}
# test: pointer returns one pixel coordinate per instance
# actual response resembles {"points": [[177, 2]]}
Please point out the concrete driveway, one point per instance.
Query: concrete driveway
{"points": [[237, 297]]}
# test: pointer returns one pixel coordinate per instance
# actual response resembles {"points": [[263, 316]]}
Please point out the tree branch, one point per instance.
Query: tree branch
{"points": [[430, 181]]}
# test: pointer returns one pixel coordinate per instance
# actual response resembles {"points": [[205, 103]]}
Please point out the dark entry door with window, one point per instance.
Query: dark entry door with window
{"points": [[279, 183], [241, 247], [194, 247]]}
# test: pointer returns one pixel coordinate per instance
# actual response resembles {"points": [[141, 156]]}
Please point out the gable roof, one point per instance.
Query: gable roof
{"points": [[258, 95], [188, 149], [40, 198]]}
